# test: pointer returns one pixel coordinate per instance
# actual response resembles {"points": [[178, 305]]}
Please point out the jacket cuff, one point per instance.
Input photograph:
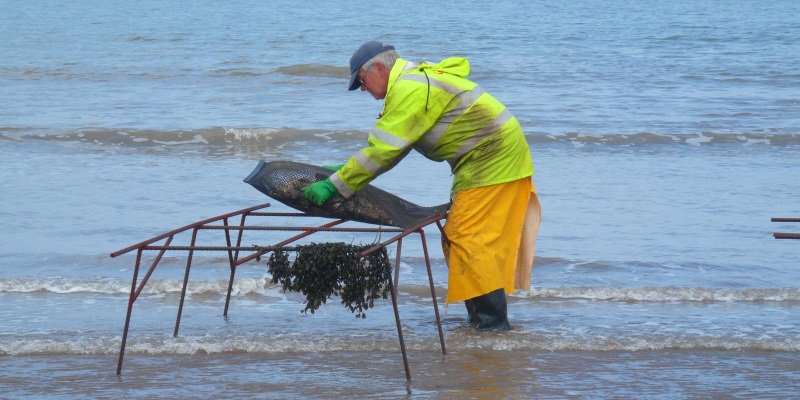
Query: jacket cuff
{"points": [[343, 189]]}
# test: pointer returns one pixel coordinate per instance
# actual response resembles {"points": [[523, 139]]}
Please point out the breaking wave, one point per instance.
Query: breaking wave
{"points": [[260, 285], [297, 343], [241, 286], [260, 138], [666, 294], [326, 71]]}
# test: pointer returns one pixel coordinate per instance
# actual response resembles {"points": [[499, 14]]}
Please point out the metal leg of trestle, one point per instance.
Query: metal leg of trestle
{"points": [[397, 267], [231, 262], [185, 281], [130, 310], [433, 291], [400, 332]]}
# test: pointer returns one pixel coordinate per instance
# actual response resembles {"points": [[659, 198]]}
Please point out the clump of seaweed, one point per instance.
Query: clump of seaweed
{"points": [[322, 270]]}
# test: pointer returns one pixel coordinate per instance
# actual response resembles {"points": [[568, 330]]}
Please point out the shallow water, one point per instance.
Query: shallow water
{"points": [[664, 136]]}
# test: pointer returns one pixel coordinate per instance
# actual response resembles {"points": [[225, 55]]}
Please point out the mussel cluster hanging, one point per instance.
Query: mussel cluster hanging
{"points": [[321, 270]]}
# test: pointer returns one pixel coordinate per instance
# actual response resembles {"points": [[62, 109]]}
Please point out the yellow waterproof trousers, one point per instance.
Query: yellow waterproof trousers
{"points": [[483, 237]]}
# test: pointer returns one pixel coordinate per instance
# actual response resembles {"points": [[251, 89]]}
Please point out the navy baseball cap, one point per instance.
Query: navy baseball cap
{"points": [[361, 56]]}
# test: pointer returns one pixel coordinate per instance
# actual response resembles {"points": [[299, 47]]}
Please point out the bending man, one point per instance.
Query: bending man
{"points": [[492, 224]]}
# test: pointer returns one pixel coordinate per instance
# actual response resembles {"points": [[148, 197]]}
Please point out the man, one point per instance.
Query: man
{"points": [[492, 224]]}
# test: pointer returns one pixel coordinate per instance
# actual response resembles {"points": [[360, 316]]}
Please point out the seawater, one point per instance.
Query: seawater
{"points": [[664, 135]]}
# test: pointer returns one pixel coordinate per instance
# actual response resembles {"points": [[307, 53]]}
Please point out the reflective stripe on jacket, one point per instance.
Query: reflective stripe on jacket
{"points": [[435, 110]]}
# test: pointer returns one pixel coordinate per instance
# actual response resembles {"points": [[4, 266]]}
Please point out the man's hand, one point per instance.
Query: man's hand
{"points": [[319, 192]]}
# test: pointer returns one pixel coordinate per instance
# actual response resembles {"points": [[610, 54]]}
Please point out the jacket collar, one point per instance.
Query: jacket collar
{"points": [[400, 66]]}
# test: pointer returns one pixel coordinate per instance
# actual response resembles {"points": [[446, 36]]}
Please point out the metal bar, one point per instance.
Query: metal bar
{"points": [[232, 264], [281, 214], [265, 249], [185, 283], [785, 219], [400, 332], [433, 289], [152, 268], [780, 235], [185, 228], [203, 248], [308, 232], [405, 233], [131, 299], [230, 290], [228, 243], [397, 266], [239, 237], [301, 228]]}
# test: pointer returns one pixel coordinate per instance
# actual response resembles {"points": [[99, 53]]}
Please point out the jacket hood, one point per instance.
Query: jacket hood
{"points": [[454, 65]]}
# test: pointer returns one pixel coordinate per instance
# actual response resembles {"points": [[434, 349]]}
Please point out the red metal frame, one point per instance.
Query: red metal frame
{"points": [[783, 235], [256, 252]]}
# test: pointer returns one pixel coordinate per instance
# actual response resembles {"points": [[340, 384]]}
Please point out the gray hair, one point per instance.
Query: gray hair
{"points": [[387, 58]]}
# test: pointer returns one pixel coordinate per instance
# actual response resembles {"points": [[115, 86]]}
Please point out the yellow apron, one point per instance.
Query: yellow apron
{"points": [[483, 234]]}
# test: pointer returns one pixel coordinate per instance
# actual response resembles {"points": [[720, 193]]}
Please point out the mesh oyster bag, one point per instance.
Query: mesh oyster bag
{"points": [[282, 180]]}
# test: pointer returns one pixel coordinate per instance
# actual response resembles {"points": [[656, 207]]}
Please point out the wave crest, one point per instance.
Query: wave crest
{"points": [[293, 343], [325, 71], [259, 285], [243, 138], [667, 294], [241, 286]]}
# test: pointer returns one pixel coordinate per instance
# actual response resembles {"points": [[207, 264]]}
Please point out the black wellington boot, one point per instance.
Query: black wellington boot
{"points": [[491, 311], [472, 318]]}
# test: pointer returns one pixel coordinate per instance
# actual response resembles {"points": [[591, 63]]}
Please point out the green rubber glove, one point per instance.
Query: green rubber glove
{"points": [[333, 168], [319, 192]]}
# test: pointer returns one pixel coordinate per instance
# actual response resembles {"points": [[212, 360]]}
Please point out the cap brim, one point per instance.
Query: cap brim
{"points": [[354, 83]]}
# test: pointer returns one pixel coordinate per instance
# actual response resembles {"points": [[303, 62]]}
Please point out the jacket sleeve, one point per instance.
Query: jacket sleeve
{"points": [[404, 120]]}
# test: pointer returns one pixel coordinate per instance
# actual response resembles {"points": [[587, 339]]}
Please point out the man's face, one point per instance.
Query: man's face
{"points": [[375, 81]]}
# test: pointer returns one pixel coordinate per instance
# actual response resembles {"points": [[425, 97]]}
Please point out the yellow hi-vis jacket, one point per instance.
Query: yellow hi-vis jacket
{"points": [[435, 110]]}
